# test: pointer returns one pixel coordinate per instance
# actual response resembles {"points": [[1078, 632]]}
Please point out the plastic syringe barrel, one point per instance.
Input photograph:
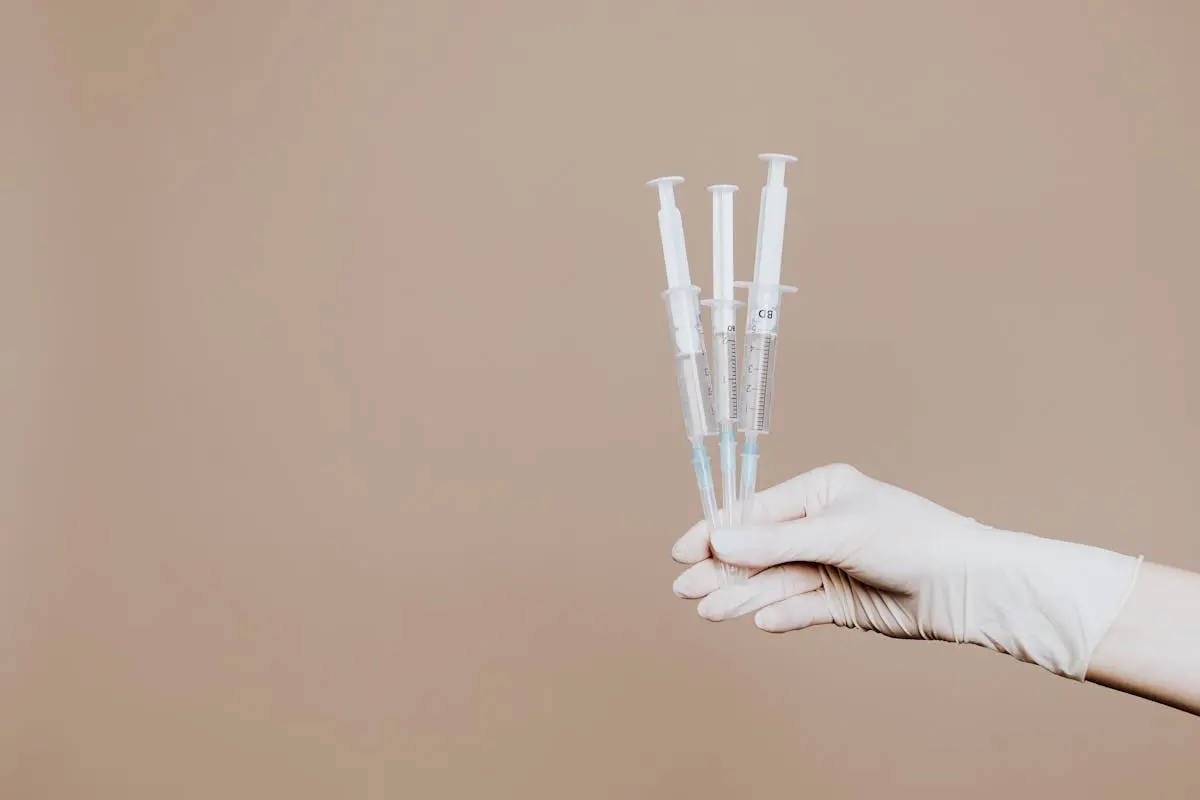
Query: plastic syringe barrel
{"points": [[758, 382], [758, 356], [692, 372], [695, 387]]}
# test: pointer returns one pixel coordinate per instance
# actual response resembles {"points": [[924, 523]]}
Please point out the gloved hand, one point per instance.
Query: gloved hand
{"points": [[835, 546]]}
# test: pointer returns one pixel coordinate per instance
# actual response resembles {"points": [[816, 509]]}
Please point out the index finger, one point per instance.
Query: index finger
{"points": [[779, 503], [795, 498]]}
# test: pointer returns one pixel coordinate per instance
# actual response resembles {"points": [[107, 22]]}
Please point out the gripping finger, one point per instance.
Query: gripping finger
{"points": [[795, 613], [803, 495], [767, 587], [821, 539], [692, 547], [698, 580]]}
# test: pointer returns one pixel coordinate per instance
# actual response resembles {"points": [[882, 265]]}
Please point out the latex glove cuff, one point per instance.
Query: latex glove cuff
{"points": [[1044, 601]]}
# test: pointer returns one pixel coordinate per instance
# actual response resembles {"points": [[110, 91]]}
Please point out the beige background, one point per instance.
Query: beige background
{"points": [[340, 451]]}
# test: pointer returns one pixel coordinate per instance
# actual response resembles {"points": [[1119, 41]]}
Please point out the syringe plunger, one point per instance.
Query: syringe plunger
{"points": [[722, 241], [670, 230], [772, 216]]}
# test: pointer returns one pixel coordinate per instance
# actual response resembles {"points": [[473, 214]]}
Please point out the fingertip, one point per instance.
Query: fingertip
{"points": [[708, 611], [698, 581], [679, 554], [795, 613], [768, 620], [692, 547]]}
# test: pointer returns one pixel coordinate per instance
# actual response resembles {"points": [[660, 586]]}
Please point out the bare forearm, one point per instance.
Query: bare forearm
{"points": [[1153, 647]]}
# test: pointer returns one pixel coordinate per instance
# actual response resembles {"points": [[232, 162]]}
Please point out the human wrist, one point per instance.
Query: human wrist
{"points": [[1152, 648]]}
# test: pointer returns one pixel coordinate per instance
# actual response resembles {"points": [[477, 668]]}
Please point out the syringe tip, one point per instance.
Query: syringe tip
{"points": [[722, 187]]}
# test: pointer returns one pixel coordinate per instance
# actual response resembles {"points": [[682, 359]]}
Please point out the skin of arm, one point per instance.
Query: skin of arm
{"points": [[1152, 649]]}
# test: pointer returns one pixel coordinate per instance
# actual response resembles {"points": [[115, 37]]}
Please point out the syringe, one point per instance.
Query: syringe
{"points": [[687, 335], [762, 324], [724, 343]]}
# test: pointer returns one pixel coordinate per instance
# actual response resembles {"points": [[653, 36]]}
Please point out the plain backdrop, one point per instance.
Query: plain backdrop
{"points": [[340, 453]]}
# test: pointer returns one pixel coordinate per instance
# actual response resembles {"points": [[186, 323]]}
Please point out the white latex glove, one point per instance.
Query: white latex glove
{"points": [[839, 547]]}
